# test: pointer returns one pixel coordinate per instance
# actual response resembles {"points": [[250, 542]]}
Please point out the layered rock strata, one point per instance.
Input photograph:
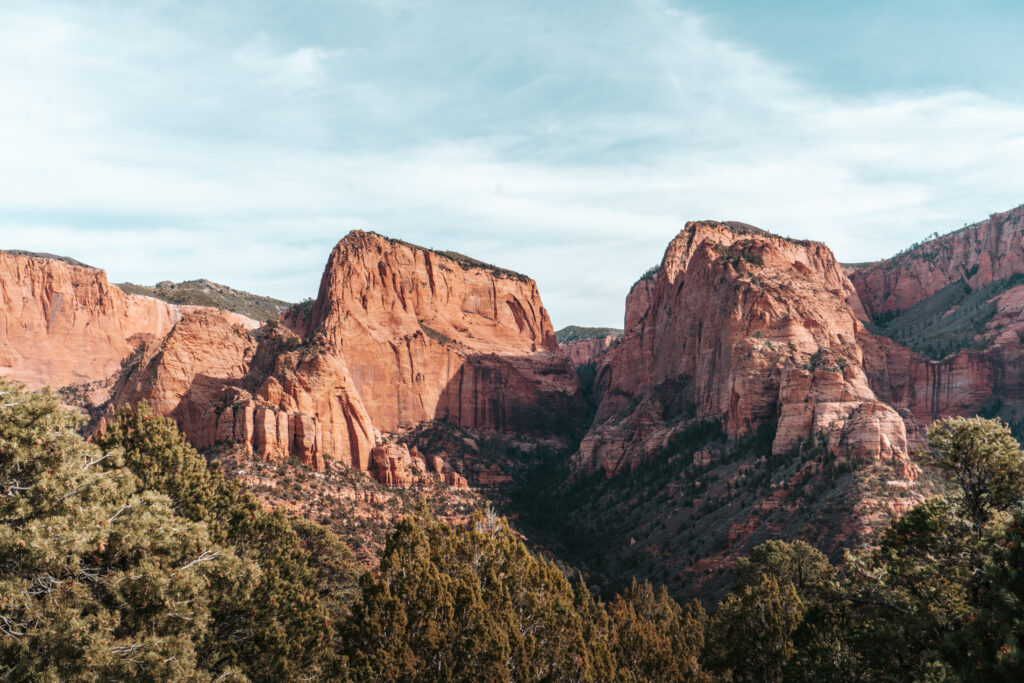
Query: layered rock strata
{"points": [[747, 328], [978, 254], [398, 336]]}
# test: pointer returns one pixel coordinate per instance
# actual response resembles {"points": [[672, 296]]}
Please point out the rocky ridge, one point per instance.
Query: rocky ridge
{"points": [[399, 336], [978, 254], [212, 295], [965, 291], [770, 336]]}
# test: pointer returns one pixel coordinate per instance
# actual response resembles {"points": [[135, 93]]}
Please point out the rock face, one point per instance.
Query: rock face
{"points": [[924, 389], [430, 335], [397, 465], [398, 336], [224, 385], [64, 324], [980, 254], [987, 376], [747, 328], [588, 351]]}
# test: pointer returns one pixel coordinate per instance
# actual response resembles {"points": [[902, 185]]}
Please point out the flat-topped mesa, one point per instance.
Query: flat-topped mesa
{"points": [[62, 323], [428, 335], [744, 327], [393, 287], [978, 254]]}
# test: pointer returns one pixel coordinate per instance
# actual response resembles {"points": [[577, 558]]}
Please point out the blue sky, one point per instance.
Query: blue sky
{"points": [[239, 141]]}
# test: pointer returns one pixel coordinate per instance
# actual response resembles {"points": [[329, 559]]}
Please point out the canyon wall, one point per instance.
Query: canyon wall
{"points": [[986, 376], [431, 335], [588, 351], [982, 253], [747, 328], [266, 393], [62, 323], [398, 336]]}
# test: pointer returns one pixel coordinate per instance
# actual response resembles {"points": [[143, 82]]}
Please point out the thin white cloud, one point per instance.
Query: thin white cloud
{"points": [[572, 151], [302, 68]]}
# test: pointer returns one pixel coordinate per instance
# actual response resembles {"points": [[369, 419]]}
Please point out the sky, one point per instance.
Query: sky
{"points": [[571, 140]]}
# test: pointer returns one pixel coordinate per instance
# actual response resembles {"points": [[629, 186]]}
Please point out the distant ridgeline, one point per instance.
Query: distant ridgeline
{"points": [[206, 293], [575, 333]]}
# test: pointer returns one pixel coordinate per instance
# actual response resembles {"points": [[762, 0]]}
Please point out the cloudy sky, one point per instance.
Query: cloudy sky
{"points": [[569, 140]]}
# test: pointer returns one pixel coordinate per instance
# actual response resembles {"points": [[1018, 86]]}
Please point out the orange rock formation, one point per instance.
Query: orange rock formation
{"points": [[399, 335], [970, 379], [62, 323], [747, 328], [587, 351], [981, 253], [428, 335]]}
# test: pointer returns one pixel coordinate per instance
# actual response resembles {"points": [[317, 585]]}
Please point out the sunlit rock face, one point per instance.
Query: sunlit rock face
{"points": [[740, 326]]}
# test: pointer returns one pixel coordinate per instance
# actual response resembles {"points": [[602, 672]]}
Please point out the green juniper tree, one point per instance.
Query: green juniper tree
{"points": [[99, 578], [307, 579]]}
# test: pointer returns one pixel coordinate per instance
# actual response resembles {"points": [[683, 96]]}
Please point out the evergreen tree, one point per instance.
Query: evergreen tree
{"points": [[654, 638], [467, 603], [99, 578], [751, 632], [982, 460], [307, 578]]}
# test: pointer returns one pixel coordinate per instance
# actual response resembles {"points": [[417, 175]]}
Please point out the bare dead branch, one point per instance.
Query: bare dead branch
{"points": [[96, 461], [206, 556], [124, 508]]}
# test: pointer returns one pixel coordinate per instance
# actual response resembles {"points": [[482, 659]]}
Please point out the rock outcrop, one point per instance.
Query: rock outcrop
{"points": [[986, 373], [588, 351], [62, 323], [743, 327], [395, 464], [430, 335], [923, 389], [398, 336], [979, 254]]}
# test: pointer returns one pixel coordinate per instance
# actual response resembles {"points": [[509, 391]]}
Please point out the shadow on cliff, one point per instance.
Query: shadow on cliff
{"points": [[506, 396]]}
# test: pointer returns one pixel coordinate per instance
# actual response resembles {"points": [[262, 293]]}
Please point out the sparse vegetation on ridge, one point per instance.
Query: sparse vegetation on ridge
{"points": [[952, 319], [43, 255], [462, 259], [576, 333], [206, 293]]}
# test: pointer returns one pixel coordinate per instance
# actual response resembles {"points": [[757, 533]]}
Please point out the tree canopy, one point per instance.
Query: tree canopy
{"points": [[132, 558]]}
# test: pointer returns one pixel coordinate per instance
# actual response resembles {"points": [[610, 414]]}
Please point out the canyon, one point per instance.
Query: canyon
{"points": [[792, 387], [398, 336]]}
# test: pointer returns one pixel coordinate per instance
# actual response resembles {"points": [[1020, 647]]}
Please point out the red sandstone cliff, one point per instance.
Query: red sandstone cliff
{"points": [[747, 328], [987, 375], [398, 336], [427, 335], [588, 351], [984, 252], [64, 324], [275, 398]]}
